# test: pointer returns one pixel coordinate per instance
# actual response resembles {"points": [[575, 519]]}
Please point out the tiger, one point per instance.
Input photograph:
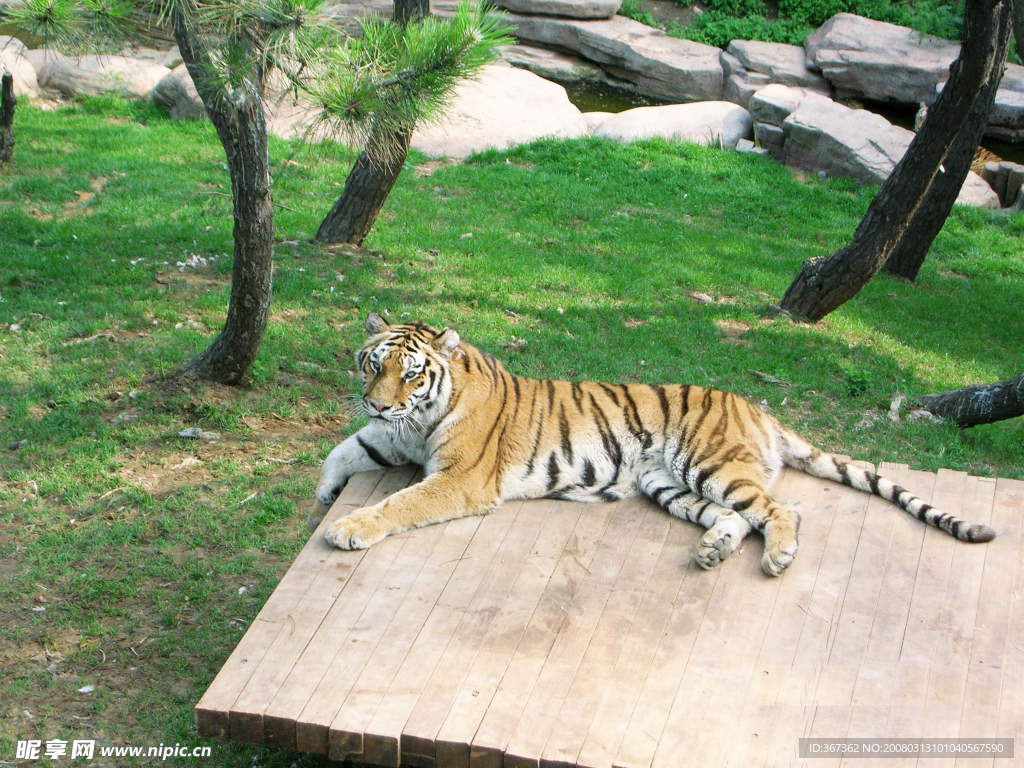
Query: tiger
{"points": [[484, 436]]}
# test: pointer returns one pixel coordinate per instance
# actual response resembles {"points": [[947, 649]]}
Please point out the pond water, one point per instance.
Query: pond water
{"points": [[599, 97]]}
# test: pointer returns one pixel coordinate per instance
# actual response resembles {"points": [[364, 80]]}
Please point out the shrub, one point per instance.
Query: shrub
{"points": [[718, 29]]}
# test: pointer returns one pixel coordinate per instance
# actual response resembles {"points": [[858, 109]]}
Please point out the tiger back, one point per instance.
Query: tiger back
{"points": [[484, 436]]}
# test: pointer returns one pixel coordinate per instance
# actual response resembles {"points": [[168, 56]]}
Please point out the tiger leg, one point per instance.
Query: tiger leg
{"points": [[439, 497], [740, 486], [371, 448], [726, 528]]}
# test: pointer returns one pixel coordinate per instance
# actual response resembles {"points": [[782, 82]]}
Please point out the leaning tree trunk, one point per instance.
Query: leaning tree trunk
{"points": [[978, 404], [824, 284], [406, 11], [910, 252], [7, 104], [366, 190], [242, 129]]}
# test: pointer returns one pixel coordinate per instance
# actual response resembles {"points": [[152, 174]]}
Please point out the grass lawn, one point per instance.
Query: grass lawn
{"points": [[133, 559]]}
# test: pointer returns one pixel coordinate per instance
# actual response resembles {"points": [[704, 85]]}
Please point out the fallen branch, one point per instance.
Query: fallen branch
{"points": [[768, 378], [107, 336], [979, 403]]}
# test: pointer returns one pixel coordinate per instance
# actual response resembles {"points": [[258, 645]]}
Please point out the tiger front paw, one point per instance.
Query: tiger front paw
{"points": [[359, 530], [780, 547]]}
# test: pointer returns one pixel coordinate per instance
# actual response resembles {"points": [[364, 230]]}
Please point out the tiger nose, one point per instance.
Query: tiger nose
{"points": [[377, 406]]}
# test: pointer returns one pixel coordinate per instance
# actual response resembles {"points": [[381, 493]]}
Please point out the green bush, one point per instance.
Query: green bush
{"points": [[740, 8], [718, 29]]}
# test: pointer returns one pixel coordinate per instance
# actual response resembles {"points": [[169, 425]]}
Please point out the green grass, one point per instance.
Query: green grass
{"points": [[138, 542]]}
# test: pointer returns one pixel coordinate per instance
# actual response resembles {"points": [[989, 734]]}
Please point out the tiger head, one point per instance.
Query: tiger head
{"points": [[405, 369]]}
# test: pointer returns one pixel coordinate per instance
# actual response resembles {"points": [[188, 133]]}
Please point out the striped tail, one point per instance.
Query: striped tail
{"points": [[801, 455]]}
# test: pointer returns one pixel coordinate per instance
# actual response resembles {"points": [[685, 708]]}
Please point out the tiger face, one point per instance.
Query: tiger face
{"points": [[404, 369]]}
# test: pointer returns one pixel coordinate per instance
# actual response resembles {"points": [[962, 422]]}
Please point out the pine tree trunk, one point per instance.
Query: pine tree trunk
{"points": [[910, 252], [406, 11], [366, 190], [824, 284], [7, 104], [978, 404], [241, 127]]}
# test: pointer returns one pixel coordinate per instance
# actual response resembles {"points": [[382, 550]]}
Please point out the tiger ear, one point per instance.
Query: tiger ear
{"points": [[375, 324], [446, 342]]}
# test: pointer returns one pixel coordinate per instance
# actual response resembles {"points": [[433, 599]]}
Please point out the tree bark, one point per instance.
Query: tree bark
{"points": [[365, 192], [407, 11], [978, 404], [824, 284], [241, 126], [910, 252], [7, 104]]}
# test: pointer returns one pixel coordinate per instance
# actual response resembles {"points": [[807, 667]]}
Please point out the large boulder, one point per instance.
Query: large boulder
{"points": [[1006, 120], [551, 65], [749, 65], [708, 122], [878, 61], [505, 107], [576, 9], [177, 94], [91, 75], [821, 135], [14, 59], [653, 63]]}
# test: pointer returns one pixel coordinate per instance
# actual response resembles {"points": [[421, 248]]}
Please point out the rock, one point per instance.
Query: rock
{"points": [[551, 65], [771, 138], [89, 75], [653, 63], [774, 103], [740, 83], [575, 9], [14, 59], [707, 123], [505, 107], [170, 59], [823, 136], [843, 142], [874, 60], [776, 62], [1006, 120], [177, 94], [594, 119]]}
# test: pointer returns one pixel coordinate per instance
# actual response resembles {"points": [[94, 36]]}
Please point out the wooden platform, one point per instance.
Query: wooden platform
{"points": [[555, 633]]}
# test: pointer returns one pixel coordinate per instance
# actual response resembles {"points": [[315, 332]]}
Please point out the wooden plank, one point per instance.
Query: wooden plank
{"points": [[531, 533], [824, 606], [948, 675], [565, 523], [866, 722], [633, 662], [381, 737], [341, 672], [792, 724], [1011, 702], [830, 723], [212, 717], [281, 715], [640, 739], [921, 634], [551, 734], [579, 596], [333, 572], [873, 686], [753, 737], [775, 656], [837, 679], [346, 732], [980, 716]]}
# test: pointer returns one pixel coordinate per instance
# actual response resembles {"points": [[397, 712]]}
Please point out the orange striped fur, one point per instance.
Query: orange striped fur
{"points": [[484, 436]]}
